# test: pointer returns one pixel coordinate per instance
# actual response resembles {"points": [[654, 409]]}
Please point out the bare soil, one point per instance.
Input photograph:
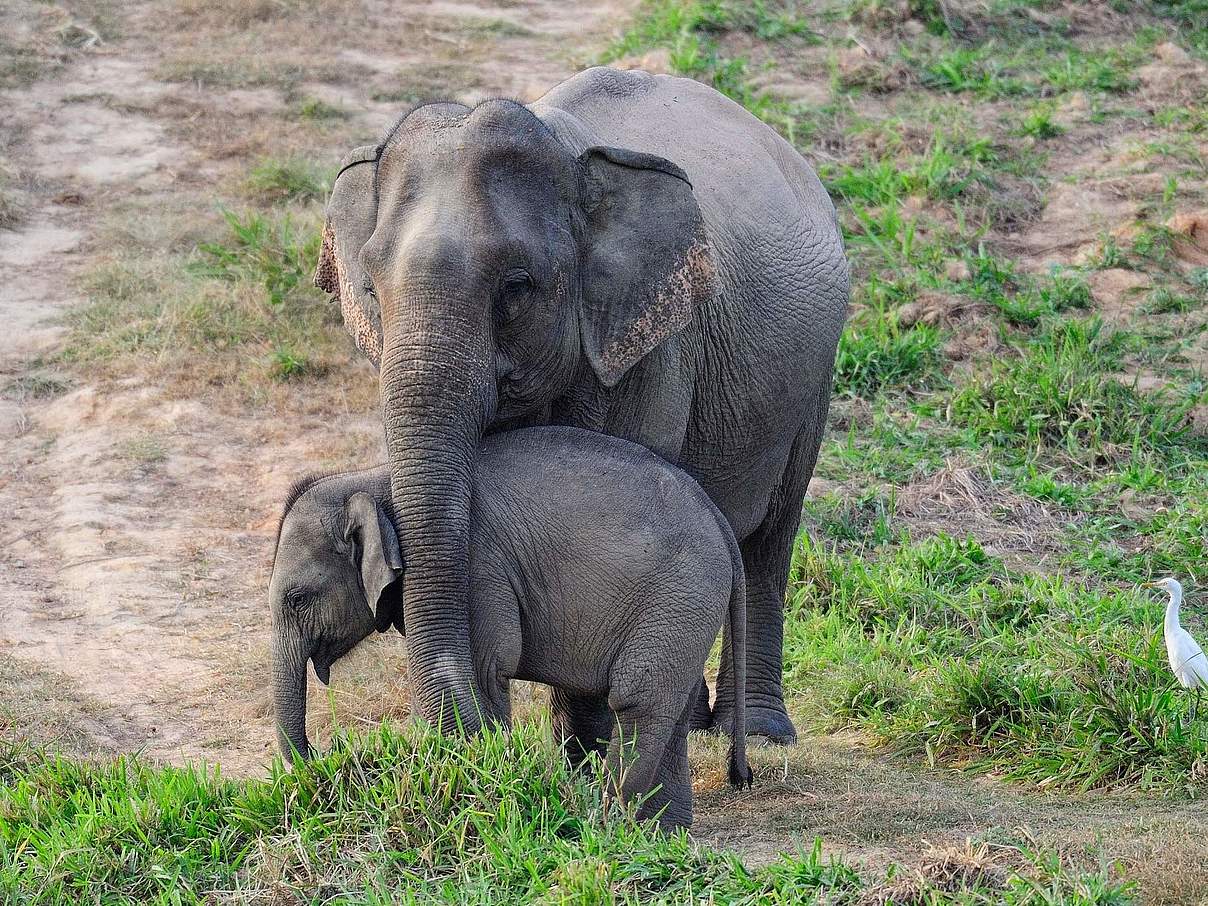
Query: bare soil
{"points": [[139, 508]]}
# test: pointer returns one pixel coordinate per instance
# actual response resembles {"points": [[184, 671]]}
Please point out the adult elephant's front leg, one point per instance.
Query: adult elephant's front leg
{"points": [[766, 555]]}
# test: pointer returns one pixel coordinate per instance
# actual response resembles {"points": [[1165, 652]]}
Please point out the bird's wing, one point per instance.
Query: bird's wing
{"points": [[1195, 663]]}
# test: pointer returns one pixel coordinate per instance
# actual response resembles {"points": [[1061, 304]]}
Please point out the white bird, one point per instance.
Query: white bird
{"points": [[1187, 658]]}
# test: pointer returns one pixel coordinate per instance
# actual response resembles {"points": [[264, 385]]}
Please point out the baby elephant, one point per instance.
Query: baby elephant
{"points": [[595, 568]]}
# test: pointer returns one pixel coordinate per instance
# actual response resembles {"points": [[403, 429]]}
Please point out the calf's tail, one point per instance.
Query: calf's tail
{"points": [[740, 769]]}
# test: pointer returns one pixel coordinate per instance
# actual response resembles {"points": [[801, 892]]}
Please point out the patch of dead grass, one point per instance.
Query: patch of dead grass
{"points": [[961, 498], [417, 83], [225, 14], [949, 870], [878, 809], [23, 64], [46, 709]]}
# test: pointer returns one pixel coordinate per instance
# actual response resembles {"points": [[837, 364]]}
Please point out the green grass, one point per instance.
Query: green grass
{"points": [[318, 110], [689, 32], [1191, 19], [272, 254], [967, 69], [680, 25], [1059, 391], [937, 649], [943, 171], [876, 354], [1031, 68], [278, 180], [1039, 123], [1167, 300], [401, 816]]}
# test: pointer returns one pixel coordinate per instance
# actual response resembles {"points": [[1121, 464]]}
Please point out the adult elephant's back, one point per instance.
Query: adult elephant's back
{"points": [[770, 333], [741, 169]]}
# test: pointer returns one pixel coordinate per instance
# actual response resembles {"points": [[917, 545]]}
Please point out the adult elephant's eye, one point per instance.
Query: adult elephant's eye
{"points": [[514, 292], [297, 599]]}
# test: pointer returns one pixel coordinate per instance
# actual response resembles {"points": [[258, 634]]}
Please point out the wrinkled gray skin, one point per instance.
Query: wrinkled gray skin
{"points": [[595, 567], [632, 254]]}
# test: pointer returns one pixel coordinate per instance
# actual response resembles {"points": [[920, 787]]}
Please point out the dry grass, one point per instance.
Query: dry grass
{"points": [[1003, 520], [878, 809], [47, 709], [225, 14]]}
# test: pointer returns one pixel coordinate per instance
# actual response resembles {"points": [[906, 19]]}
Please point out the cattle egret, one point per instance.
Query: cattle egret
{"points": [[1187, 658]]}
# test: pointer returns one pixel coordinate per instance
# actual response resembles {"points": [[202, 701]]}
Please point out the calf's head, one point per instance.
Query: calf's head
{"points": [[336, 577]]}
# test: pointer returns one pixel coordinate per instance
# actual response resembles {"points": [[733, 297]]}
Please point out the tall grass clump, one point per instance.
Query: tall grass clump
{"points": [[1060, 390], [261, 250], [877, 354]]}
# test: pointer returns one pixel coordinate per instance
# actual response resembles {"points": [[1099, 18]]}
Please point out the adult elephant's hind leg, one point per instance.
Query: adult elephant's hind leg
{"points": [[765, 556], [700, 709]]}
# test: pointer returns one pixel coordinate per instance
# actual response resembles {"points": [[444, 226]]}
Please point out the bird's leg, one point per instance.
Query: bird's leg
{"points": [[1195, 703]]}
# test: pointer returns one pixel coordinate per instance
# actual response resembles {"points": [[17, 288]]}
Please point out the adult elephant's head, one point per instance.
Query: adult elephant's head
{"points": [[485, 268]]}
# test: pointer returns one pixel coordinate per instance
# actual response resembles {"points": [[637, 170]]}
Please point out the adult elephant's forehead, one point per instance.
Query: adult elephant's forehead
{"points": [[494, 131]]}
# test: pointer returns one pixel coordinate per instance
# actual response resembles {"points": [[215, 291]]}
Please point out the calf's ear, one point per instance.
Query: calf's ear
{"points": [[381, 559]]}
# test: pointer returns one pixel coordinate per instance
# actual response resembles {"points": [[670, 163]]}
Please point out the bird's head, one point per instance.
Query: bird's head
{"points": [[1170, 585]]}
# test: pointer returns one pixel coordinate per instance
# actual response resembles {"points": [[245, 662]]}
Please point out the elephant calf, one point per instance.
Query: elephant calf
{"points": [[596, 568]]}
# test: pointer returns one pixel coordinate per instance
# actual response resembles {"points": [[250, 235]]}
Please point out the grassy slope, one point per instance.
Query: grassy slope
{"points": [[1002, 479], [410, 817]]}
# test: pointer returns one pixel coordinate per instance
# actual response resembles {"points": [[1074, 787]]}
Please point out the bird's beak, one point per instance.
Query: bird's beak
{"points": [[1150, 585]]}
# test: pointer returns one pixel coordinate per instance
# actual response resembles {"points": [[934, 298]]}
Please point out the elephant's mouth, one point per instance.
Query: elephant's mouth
{"points": [[525, 393], [326, 654], [321, 660]]}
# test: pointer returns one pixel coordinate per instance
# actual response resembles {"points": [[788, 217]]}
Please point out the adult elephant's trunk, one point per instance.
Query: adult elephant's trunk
{"points": [[438, 393], [289, 691]]}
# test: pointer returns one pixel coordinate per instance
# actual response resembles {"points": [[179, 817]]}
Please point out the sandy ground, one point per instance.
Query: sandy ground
{"points": [[138, 513], [139, 521]]}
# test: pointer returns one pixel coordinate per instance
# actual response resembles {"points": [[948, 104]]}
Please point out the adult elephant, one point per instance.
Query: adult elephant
{"points": [[632, 253]]}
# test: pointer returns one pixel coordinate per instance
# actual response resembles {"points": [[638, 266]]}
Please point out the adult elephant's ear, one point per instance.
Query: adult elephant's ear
{"points": [[351, 217], [647, 266]]}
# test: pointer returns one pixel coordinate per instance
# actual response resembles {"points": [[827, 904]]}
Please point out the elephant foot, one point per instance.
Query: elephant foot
{"points": [[771, 724]]}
